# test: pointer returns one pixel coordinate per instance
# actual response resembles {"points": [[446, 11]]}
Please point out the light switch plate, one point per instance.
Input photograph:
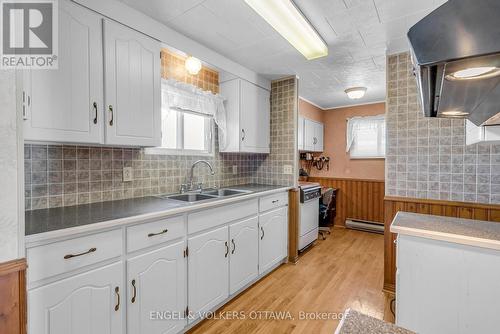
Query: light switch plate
{"points": [[235, 169], [127, 174], [287, 169]]}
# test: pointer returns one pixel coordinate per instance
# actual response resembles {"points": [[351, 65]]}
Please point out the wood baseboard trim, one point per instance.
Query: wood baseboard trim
{"points": [[345, 179], [12, 266], [442, 202]]}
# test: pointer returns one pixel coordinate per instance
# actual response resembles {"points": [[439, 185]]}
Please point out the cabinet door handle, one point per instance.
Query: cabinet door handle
{"points": [[242, 134], [275, 201], [234, 246], [262, 235], [153, 234], [227, 249], [117, 292], [95, 111], [110, 108], [69, 256], [134, 291], [26, 103]]}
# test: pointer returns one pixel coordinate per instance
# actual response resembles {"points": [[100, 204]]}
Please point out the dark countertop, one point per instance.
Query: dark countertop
{"points": [[471, 232], [354, 322], [47, 220]]}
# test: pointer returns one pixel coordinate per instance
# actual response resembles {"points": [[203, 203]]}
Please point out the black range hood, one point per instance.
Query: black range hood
{"points": [[459, 35]]}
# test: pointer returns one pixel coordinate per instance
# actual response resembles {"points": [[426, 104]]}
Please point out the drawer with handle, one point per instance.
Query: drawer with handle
{"points": [[273, 201], [64, 256], [154, 233]]}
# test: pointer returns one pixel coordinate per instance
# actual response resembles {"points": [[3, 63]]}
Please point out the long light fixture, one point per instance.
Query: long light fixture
{"points": [[355, 92], [193, 65], [289, 22]]}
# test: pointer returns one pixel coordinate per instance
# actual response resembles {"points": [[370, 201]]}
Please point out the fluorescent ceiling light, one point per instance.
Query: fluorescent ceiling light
{"points": [[193, 65], [474, 73], [355, 92], [289, 22]]}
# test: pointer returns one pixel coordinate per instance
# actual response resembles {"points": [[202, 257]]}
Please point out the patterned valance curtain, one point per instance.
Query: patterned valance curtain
{"points": [[182, 96]]}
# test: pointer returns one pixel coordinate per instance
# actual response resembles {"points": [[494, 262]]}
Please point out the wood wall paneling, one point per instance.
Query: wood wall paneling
{"points": [[392, 205], [13, 297], [361, 199]]}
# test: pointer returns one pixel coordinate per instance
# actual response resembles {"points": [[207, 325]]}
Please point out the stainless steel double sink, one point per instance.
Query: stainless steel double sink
{"points": [[206, 195]]}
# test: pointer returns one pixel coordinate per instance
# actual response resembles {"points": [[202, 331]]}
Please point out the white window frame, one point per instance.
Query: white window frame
{"points": [[380, 137], [209, 139]]}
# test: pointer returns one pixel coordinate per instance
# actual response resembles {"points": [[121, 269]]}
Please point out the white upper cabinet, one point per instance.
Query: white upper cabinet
{"points": [[248, 111], [244, 259], [318, 135], [300, 133], [105, 91], [312, 135], [132, 86], [208, 267], [157, 281], [91, 302], [66, 104]]}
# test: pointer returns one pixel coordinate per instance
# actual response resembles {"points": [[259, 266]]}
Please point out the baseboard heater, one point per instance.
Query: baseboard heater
{"points": [[363, 225]]}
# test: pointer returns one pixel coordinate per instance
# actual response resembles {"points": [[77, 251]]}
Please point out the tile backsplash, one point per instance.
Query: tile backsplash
{"points": [[427, 157], [62, 175], [284, 103]]}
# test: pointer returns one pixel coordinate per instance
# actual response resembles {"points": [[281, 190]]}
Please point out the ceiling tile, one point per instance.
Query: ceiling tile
{"points": [[358, 32]]}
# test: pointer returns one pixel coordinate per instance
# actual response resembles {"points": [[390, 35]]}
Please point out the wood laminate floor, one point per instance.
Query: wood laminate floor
{"points": [[344, 271]]}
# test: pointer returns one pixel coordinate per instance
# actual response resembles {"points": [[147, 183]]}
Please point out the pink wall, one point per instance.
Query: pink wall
{"points": [[310, 111], [341, 165]]}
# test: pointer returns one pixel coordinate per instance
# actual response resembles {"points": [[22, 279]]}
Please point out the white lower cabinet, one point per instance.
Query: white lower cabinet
{"points": [[208, 265], [88, 303], [192, 263], [157, 290], [446, 288], [244, 257], [273, 238]]}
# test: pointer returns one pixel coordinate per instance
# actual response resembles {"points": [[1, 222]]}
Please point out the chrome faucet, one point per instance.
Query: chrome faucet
{"points": [[189, 185]]}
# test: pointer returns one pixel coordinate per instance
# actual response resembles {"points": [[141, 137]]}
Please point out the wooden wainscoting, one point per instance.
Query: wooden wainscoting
{"points": [[13, 297], [434, 207], [361, 199]]}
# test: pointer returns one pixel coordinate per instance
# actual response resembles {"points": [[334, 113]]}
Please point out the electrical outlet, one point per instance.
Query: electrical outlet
{"points": [[287, 169], [127, 174], [235, 169]]}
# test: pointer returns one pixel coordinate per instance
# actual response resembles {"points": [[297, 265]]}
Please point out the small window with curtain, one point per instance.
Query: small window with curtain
{"points": [[189, 115], [186, 131], [366, 137]]}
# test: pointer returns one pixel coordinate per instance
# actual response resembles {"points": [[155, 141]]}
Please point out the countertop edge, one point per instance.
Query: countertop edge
{"points": [[447, 237], [39, 238]]}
